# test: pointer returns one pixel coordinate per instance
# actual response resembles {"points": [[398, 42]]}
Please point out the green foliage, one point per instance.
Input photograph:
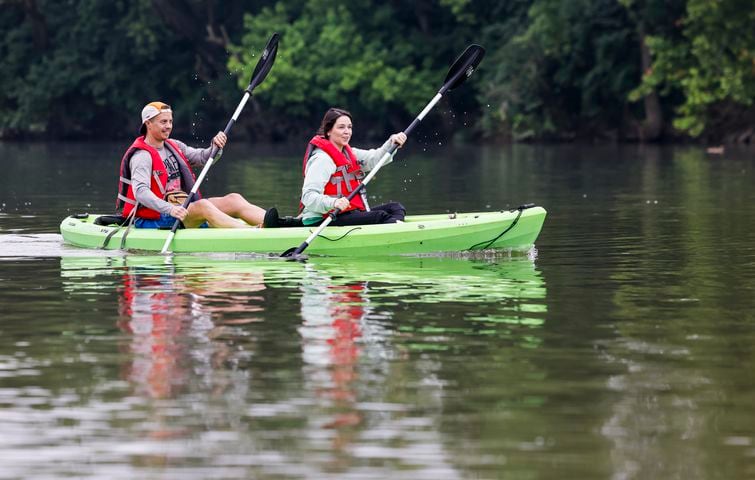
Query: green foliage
{"points": [[101, 63], [712, 63], [553, 70], [557, 73], [460, 9], [329, 57]]}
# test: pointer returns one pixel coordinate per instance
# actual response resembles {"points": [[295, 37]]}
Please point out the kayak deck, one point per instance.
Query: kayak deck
{"points": [[509, 229]]}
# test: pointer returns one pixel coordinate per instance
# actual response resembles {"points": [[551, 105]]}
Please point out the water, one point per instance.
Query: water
{"points": [[621, 348]]}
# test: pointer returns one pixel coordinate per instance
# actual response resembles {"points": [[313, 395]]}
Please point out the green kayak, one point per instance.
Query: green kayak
{"points": [[420, 234]]}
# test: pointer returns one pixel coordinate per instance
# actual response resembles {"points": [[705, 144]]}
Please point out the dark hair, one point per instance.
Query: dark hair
{"points": [[329, 119]]}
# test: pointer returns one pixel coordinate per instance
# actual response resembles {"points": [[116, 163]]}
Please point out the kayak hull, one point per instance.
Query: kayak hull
{"points": [[419, 234]]}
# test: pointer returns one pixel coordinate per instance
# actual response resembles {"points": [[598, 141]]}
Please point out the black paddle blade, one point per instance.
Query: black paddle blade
{"points": [[265, 62], [291, 256], [463, 67], [294, 252]]}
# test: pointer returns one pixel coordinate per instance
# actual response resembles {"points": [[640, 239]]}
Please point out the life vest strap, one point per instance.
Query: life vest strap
{"points": [[125, 199], [156, 176], [127, 181]]}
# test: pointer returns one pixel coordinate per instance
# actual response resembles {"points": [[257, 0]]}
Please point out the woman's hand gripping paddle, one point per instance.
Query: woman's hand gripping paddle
{"points": [[263, 67], [461, 69]]}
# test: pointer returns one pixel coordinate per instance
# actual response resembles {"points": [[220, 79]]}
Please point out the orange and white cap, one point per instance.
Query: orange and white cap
{"points": [[151, 110]]}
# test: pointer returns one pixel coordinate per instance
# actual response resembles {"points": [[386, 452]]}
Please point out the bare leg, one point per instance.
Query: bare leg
{"points": [[236, 206], [203, 209]]}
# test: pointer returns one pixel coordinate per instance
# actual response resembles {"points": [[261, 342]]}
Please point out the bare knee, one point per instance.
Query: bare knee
{"points": [[201, 206], [199, 211], [203, 203], [235, 198]]}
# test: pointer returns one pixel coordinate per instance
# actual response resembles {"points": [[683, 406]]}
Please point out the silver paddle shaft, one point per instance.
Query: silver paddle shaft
{"points": [[213, 157]]}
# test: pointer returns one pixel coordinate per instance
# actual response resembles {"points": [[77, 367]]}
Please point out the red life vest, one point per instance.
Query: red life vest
{"points": [[126, 197], [347, 309], [348, 174], [148, 314]]}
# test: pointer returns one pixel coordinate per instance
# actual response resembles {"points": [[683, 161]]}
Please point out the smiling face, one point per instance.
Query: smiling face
{"points": [[340, 134], [159, 127]]}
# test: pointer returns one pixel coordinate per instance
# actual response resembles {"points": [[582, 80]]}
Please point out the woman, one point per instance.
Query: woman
{"points": [[332, 170]]}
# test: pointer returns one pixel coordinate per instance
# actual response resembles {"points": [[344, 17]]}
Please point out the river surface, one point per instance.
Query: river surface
{"points": [[620, 348]]}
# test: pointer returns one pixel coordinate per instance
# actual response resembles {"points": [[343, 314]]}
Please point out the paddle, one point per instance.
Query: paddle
{"points": [[263, 67], [461, 69]]}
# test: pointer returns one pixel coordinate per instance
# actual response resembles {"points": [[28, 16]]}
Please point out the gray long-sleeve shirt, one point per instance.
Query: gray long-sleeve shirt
{"points": [[320, 167], [141, 172]]}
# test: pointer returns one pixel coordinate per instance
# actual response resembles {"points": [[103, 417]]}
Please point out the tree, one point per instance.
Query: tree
{"points": [[554, 70], [381, 61], [563, 71], [85, 68], [711, 64]]}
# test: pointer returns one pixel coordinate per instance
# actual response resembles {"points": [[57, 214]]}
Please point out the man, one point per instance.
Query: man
{"points": [[156, 171]]}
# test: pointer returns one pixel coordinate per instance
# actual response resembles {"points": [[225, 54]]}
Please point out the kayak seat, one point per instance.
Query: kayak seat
{"points": [[106, 220]]}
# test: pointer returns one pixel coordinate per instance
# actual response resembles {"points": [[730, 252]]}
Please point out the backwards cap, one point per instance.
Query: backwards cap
{"points": [[150, 111]]}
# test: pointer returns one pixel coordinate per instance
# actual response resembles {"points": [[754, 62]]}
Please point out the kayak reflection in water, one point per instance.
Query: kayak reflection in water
{"points": [[156, 173], [333, 169]]}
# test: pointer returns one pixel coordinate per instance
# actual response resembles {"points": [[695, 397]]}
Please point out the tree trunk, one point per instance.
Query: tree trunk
{"points": [[197, 27], [422, 15], [38, 25], [652, 125]]}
